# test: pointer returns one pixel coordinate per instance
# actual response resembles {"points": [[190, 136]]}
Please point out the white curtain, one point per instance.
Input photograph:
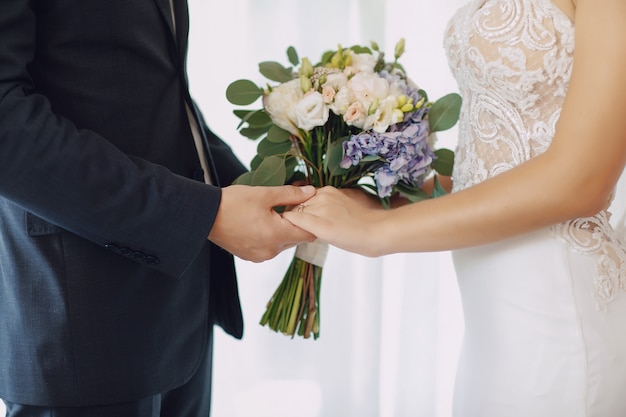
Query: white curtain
{"points": [[391, 327]]}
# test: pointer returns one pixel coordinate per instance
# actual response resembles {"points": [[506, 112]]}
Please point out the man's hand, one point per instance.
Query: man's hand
{"points": [[248, 226]]}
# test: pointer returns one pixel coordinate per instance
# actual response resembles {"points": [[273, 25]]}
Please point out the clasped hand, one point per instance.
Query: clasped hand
{"points": [[247, 225], [346, 218]]}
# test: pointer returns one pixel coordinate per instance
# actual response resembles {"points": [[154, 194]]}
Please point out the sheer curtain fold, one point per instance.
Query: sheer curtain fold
{"points": [[390, 326]]}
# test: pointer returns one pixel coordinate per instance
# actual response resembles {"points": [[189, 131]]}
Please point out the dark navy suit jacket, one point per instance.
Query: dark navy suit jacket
{"points": [[108, 285]]}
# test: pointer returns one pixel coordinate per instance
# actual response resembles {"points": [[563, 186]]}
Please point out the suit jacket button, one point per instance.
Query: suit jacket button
{"points": [[112, 247], [137, 255], [125, 251], [151, 260]]}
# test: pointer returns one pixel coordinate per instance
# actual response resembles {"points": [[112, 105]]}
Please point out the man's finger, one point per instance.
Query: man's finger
{"points": [[288, 195]]}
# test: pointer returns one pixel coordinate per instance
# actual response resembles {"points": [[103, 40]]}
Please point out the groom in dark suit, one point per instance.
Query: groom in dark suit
{"points": [[115, 253]]}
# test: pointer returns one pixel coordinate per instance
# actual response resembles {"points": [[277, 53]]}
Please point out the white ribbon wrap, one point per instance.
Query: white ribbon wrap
{"points": [[313, 252]]}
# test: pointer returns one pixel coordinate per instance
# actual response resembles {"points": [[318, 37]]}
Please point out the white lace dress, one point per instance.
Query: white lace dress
{"points": [[545, 313]]}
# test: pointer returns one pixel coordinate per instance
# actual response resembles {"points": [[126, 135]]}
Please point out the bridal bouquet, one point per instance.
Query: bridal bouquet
{"points": [[352, 119]]}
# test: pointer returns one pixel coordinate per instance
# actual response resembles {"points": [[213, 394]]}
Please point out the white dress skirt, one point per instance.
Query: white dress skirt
{"points": [[545, 313], [536, 343]]}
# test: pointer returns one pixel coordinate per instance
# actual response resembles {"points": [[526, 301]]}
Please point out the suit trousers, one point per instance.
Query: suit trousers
{"points": [[193, 399]]}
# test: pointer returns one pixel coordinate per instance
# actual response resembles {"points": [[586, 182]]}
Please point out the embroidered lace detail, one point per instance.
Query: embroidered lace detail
{"points": [[594, 235], [512, 60]]}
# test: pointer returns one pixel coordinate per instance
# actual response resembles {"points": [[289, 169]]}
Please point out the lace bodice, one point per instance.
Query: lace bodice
{"points": [[512, 60]]}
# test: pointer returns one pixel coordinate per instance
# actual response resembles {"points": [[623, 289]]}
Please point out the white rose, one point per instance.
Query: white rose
{"points": [[311, 111], [368, 87], [280, 105], [363, 62]]}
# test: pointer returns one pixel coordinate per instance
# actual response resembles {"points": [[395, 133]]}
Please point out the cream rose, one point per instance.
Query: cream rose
{"points": [[328, 93], [355, 115]]}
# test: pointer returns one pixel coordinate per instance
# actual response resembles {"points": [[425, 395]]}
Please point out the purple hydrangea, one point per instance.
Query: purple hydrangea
{"points": [[365, 143], [403, 152]]}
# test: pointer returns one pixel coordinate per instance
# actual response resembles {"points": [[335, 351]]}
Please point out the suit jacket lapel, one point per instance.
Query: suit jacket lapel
{"points": [[180, 29], [164, 8]]}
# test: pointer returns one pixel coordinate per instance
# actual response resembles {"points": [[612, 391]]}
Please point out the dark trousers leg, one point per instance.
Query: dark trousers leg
{"points": [[190, 400]]}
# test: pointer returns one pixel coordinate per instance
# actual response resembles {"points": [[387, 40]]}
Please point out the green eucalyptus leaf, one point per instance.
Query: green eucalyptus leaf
{"points": [[397, 65], [244, 179], [369, 158], [444, 113], [326, 57], [256, 161], [268, 148], [253, 132], [243, 92], [423, 94], [271, 172], [275, 71], [438, 190], [291, 162], [334, 156], [359, 49], [444, 162], [380, 62], [297, 176], [412, 193], [241, 114], [254, 118], [292, 55], [277, 135]]}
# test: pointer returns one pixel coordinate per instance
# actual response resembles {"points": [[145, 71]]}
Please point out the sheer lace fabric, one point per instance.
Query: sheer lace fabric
{"points": [[512, 60]]}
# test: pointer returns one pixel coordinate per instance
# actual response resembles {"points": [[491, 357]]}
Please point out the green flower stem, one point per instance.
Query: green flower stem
{"points": [[312, 310], [295, 303], [295, 308]]}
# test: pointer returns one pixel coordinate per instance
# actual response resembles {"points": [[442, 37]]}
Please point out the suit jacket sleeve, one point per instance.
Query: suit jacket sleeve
{"points": [[78, 180]]}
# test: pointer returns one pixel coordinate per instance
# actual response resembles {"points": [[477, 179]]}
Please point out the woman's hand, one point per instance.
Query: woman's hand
{"points": [[346, 218]]}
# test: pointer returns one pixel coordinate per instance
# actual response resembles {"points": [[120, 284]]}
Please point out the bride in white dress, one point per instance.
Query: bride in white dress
{"points": [[542, 272]]}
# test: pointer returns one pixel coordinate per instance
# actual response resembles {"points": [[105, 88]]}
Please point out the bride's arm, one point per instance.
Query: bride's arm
{"points": [[573, 178]]}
